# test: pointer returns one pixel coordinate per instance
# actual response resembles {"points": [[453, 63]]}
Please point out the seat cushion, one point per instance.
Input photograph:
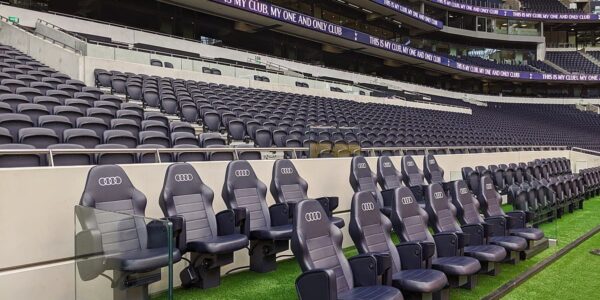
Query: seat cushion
{"points": [[283, 232], [491, 253], [512, 243], [456, 265], [339, 222], [219, 244], [141, 260], [380, 292], [532, 234], [420, 280]]}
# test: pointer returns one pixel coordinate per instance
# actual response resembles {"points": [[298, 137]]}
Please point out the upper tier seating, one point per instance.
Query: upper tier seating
{"points": [[547, 6], [573, 61]]}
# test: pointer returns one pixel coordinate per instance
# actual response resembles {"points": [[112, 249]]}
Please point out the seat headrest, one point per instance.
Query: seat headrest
{"points": [[182, 179], [285, 172], [310, 219], [487, 188], [360, 167], [365, 209], [405, 204], [105, 184], [436, 197], [240, 175], [386, 166], [409, 165], [461, 192]]}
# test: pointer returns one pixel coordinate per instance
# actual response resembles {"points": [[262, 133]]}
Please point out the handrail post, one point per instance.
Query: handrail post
{"points": [[157, 156], [50, 158]]}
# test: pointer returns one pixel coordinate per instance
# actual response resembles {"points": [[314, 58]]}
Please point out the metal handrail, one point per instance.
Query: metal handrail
{"points": [[373, 150], [75, 35], [587, 151]]}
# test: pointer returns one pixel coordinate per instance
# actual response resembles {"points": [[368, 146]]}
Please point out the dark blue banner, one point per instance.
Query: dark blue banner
{"points": [[296, 18]]}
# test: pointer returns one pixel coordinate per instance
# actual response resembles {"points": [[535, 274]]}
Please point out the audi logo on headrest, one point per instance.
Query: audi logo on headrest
{"points": [[242, 173], [432, 161], [488, 186], [367, 206], [438, 195], [183, 177], [312, 216], [387, 164], [287, 171], [410, 163], [106, 181], [362, 165], [463, 191], [407, 200]]}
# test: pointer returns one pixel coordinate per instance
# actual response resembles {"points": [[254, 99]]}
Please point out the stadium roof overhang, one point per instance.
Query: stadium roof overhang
{"points": [[262, 14]]}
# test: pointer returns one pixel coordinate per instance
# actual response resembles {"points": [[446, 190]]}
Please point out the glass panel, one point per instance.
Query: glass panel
{"points": [[117, 255]]}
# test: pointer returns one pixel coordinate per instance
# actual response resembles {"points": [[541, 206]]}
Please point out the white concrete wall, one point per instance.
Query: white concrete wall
{"points": [[37, 212]]}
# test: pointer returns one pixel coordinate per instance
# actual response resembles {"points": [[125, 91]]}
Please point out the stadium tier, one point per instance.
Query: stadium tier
{"points": [[216, 149]]}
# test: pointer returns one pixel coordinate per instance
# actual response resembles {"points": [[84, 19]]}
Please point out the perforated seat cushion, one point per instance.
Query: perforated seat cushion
{"points": [[456, 265], [512, 243], [219, 244], [528, 233], [283, 232], [379, 292], [491, 253], [141, 260], [420, 280], [292, 193]]}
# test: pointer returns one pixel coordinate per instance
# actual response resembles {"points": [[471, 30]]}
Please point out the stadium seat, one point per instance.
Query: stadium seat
{"points": [[20, 160], [495, 229], [34, 111], [444, 251], [413, 177], [442, 218], [14, 122], [154, 137], [150, 158], [370, 230], [268, 228], [135, 252], [287, 186], [123, 137], [210, 238], [114, 158], [189, 156], [70, 159], [432, 170], [362, 179], [330, 275], [40, 138]]}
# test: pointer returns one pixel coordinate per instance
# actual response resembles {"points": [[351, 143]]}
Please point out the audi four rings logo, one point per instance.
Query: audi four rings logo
{"points": [[362, 165], [387, 164], [242, 173], [287, 171], [367, 206], [410, 164], [107, 181], [488, 186], [463, 191], [438, 195], [432, 161], [407, 200], [312, 216], [183, 177]]}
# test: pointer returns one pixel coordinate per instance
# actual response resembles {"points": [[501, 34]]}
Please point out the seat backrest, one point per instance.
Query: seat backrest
{"points": [[21, 160], [467, 207], [317, 244], [14, 122], [442, 214], [432, 171], [489, 199], [70, 159], [408, 218], [362, 179], [286, 184], [388, 176], [243, 189], [40, 138], [471, 177], [370, 229], [108, 188], [185, 194], [411, 174]]}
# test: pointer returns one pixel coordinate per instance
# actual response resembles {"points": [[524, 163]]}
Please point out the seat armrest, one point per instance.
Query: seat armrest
{"points": [[388, 197], [242, 222], [279, 213], [157, 234], [411, 255], [384, 267], [225, 222], [516, 219], [428, 250], [89, 254], [179, 232], [291, 208], [498, 225], [317, 284], [447, 244], [364, 269]]}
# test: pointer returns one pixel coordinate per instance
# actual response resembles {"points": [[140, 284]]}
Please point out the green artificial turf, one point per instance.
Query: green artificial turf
{"points": [[280, 283]]}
